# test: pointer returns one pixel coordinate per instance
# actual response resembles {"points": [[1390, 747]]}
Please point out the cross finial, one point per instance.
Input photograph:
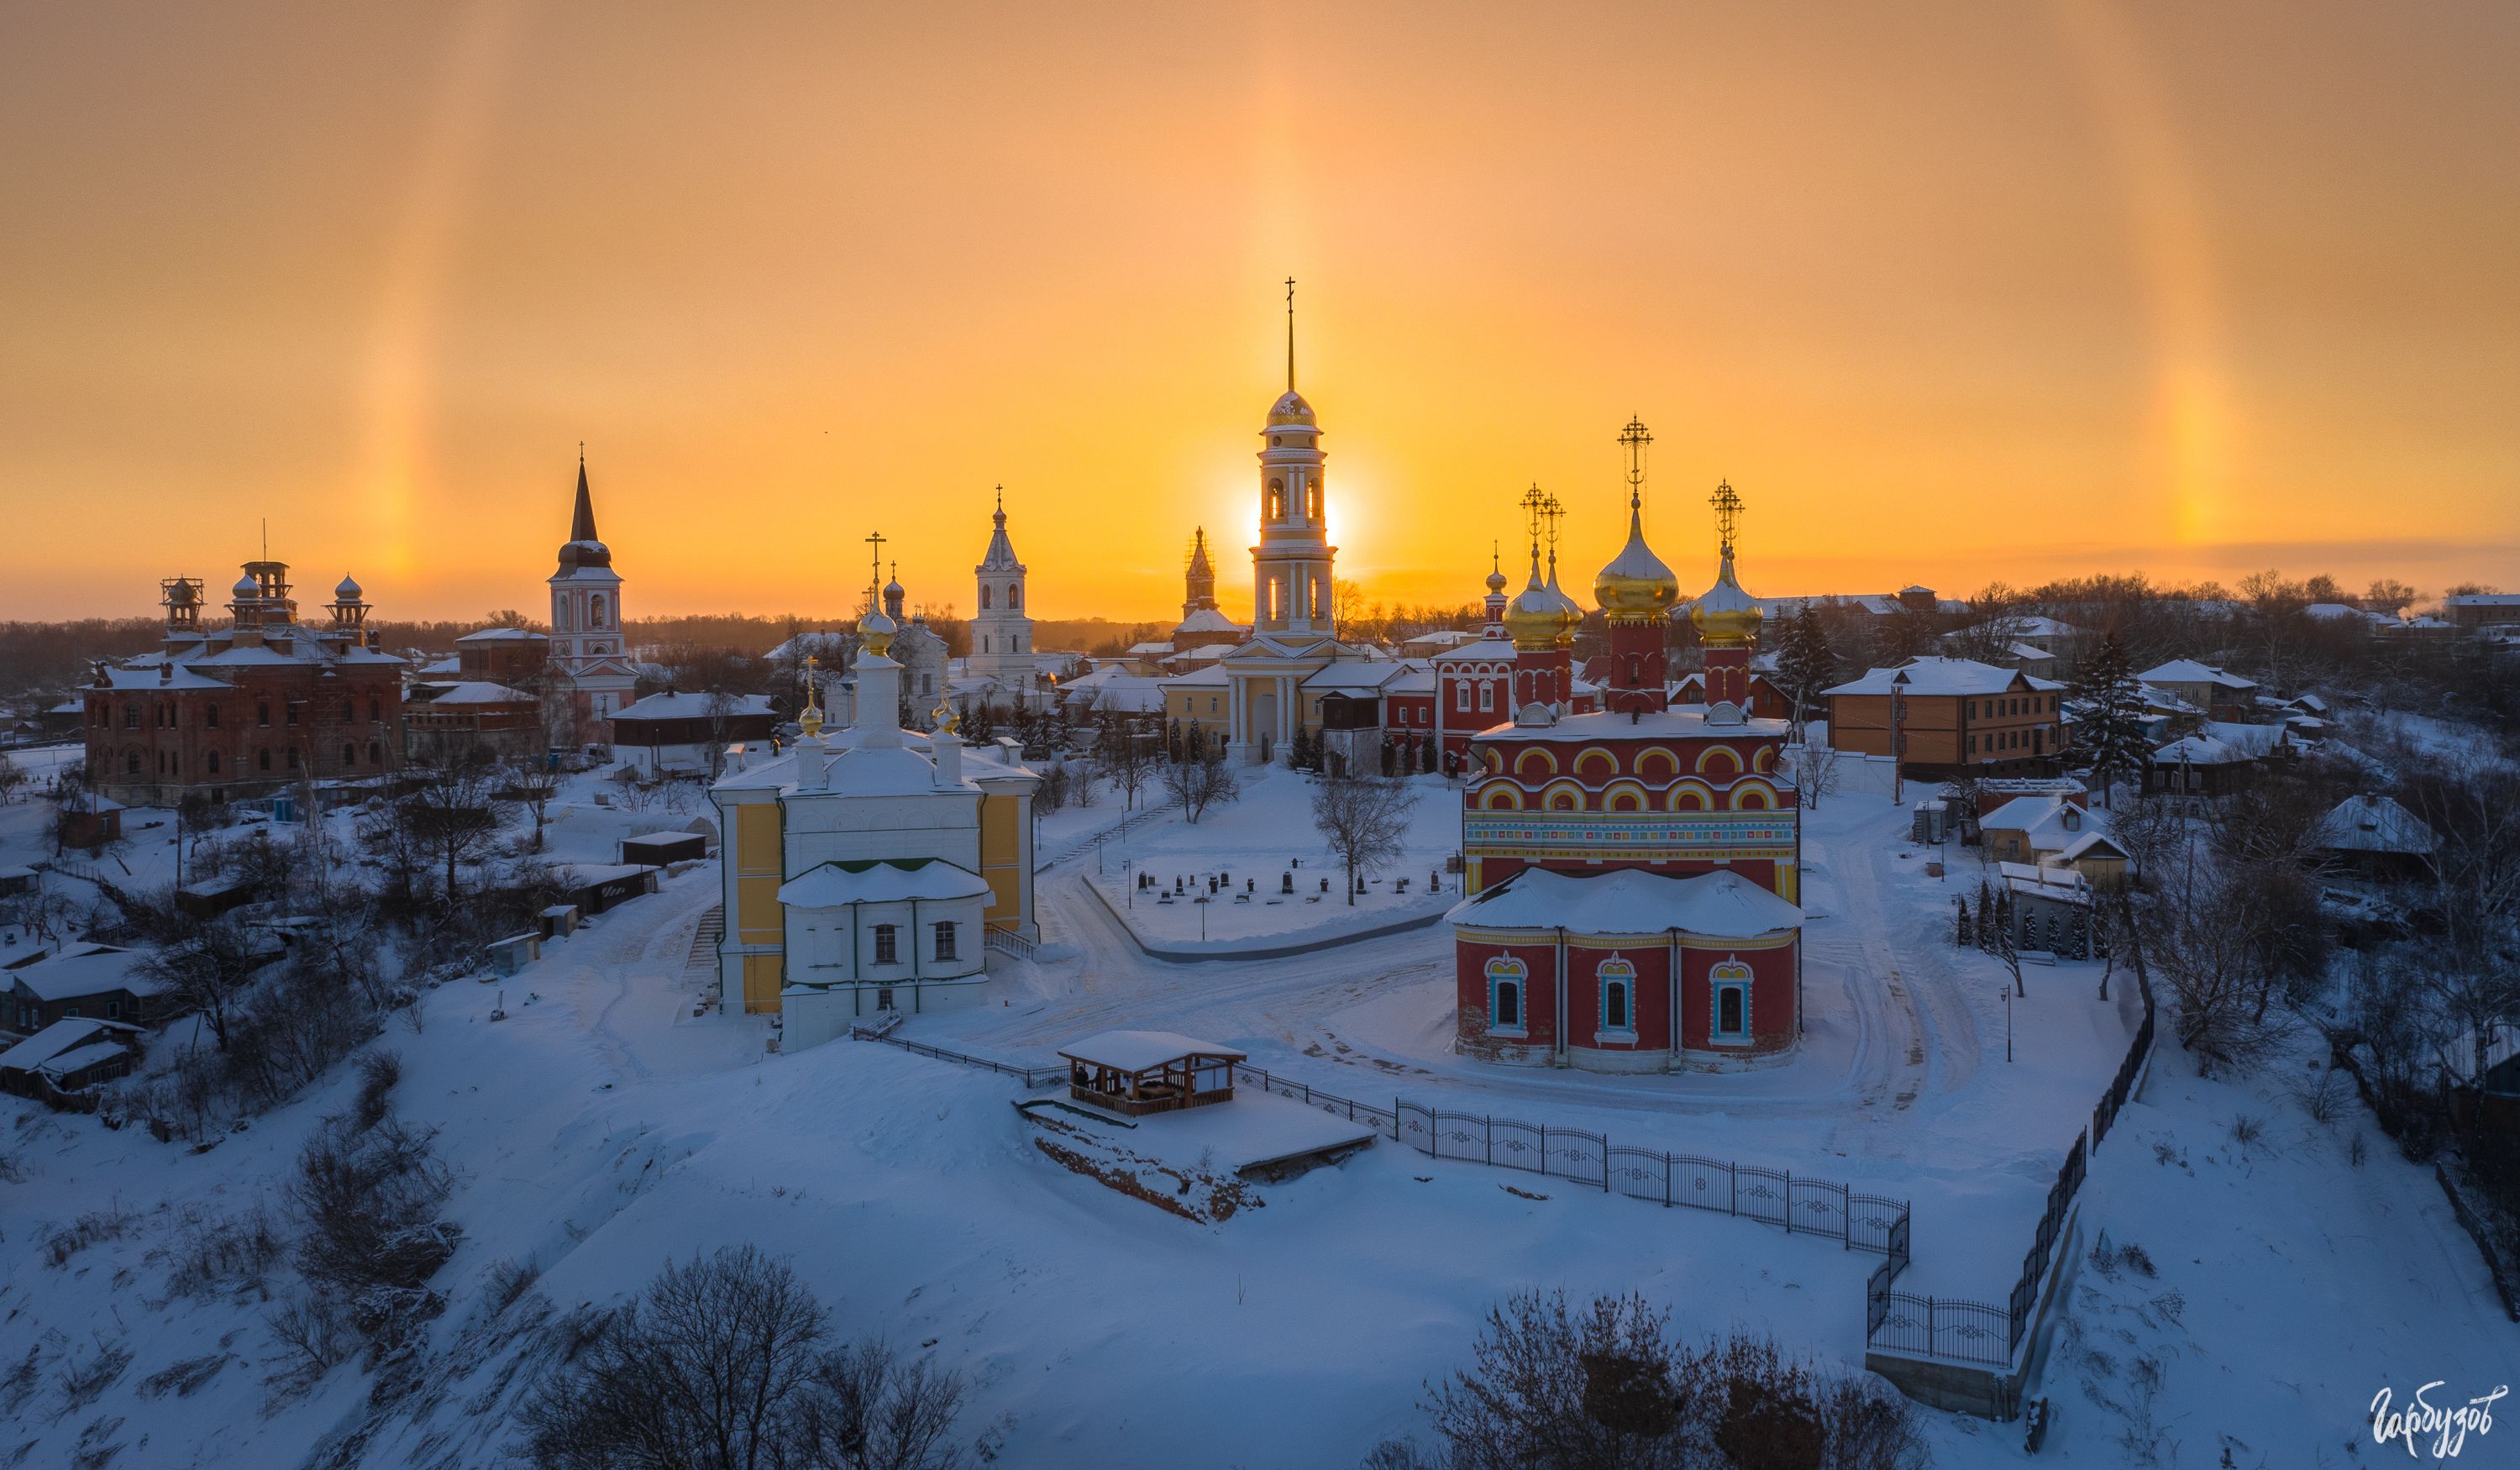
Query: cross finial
{"points": [[1728, 513], [1534, 512], [874, 583], [1291, 334], [1635, 438]]}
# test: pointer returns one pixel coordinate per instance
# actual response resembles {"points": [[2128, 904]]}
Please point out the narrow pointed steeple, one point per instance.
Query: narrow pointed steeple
{"points": [[582, 525]]}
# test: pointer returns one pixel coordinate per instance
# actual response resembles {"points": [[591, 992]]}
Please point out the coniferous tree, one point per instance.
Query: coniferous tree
{"points": [[2111, 731], [1805, 665], [1985, 917], [1961, 929]]}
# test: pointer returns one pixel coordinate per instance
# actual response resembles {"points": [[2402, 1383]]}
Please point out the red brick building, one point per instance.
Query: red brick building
{"points": [[1633, 870], [249, 708]]}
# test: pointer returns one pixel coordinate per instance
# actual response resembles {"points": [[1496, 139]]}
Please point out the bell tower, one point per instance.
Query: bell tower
{"points": [[1290, 568], [1002, 627]]}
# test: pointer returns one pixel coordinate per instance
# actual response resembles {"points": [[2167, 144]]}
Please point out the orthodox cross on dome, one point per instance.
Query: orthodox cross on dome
{"points": [[874, 581], [811, 718], [1001, 508], [1535, 514], [1291, 334], [1553, 511], [1635, 438], [1728, 513]]}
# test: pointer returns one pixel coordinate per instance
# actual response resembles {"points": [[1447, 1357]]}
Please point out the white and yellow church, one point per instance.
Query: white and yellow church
{"points": [[864, 871]]}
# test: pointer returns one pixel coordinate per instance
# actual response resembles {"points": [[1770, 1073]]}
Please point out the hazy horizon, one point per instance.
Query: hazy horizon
{"points": [[1989, 292]]}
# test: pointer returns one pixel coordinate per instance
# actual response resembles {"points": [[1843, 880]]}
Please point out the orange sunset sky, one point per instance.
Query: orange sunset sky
{"points": [[1949, 292]]}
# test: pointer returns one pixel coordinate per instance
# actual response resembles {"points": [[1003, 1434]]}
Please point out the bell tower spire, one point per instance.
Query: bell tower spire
{"points": [[1291, 334]]}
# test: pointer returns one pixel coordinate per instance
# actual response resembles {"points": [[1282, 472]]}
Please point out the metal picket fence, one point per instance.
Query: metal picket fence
{"points": [[1800, 1204]]}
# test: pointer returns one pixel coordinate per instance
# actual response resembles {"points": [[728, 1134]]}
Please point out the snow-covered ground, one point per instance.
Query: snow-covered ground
{"points": [[602, 1129]]}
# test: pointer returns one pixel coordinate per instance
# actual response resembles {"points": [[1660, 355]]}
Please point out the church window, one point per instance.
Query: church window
{"points": [[945, 940], [349, 754], [1486, 698], [595, 610], [131, 717], [1505, 995], [887, 945], [376, 711], [1462, 696], [291, 715], [1276, 499], [350, 710], [262, 760], [213, 762], [131, 764], [1731, 982], [1313, 503], [984, 596], [210, 716], [1618, 996], [375, 753], [262, 715], [1015, 595]]}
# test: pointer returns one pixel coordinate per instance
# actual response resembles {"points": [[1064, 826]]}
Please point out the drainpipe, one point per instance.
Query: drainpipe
{"points": [[917, 995], [1562, 1058], [1674, 932]]}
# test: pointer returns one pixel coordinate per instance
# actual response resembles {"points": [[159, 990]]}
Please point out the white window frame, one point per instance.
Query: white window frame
{"points": [[1619, 974], [887, 936], [1501, 972], [1734, 976]]}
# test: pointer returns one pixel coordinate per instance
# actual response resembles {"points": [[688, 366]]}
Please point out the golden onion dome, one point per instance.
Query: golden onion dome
{"points": [[876, 632], [1570, 613], [1636, 586], [1726, 616], [1533, 618], [1291, 407]]}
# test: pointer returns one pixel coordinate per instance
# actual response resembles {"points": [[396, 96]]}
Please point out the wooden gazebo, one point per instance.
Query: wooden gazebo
{"points": [[1134, 1073]]}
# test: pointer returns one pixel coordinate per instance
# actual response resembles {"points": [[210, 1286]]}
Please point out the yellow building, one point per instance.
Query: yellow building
{"points": [[863, 873]]}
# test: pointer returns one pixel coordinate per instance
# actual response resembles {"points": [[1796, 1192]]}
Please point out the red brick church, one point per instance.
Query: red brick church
{"points": [[1633, 872], [265, 702]]}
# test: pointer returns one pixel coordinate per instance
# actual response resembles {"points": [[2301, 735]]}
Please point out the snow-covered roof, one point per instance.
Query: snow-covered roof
{"points": [[1628, 900], [2089, 842], [1352, 676], [1212, 676], [2482, 599], [475, 692], [1152, 647], [2375, 824], [2201, 751], [59, 1039], [2190, 671], [87, 969], [79, 1057], [504, 636], [1141, 1050], [177, 677], [1668, 724], [1207, 620], [1415, 679], [1129, 693], [680, 707], [1943, 676], [837, 885], [1440, 638], [1486, 650]]}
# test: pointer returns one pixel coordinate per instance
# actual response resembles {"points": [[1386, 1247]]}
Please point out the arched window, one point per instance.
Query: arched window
{"points": [[1015, 595], [984, 596], [131, 717], [376, 712], [1276, 501], [1505, 995], [1313, 503], [375, 753], [595, 610], [349, 711], [1731, 982], [262, 715], [131, 764], [1618, 996], [210, 716], [212, 762], [262, 760], [349, 754]]}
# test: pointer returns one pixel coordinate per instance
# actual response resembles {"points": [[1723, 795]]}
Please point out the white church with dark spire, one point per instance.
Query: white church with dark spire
{"points": [[591, 673]]}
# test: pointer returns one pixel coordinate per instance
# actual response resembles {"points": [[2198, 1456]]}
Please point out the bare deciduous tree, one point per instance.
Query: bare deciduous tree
{"points": [[1363, 819], [720, 1365]]}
